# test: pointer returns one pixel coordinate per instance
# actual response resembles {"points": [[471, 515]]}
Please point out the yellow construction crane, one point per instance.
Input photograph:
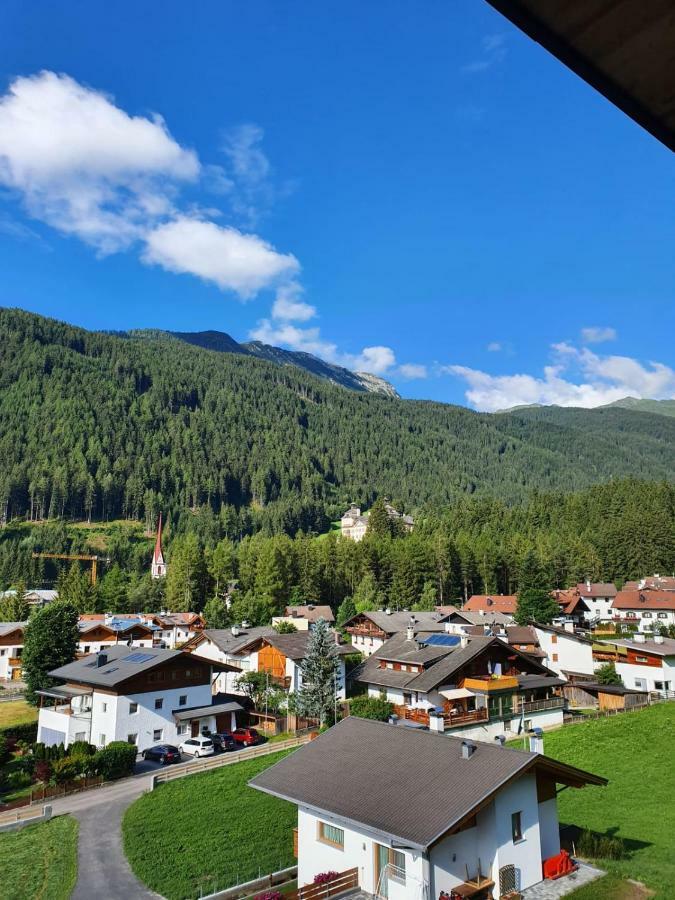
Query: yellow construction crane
{"points": [[81, 556]]}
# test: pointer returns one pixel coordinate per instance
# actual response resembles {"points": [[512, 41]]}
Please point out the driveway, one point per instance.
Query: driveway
{"points": [[103, 870]]}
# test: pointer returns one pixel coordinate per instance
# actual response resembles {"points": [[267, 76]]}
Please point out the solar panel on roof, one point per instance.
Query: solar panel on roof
{"points": [[139, 657], [443, 640]]}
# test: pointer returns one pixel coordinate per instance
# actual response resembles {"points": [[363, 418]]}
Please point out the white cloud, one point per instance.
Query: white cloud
{"points": [[493, 52], [241, 145], [494, 347], [83, 165], [376, 360], [413, 370], [289, 305], [600, 380], [243, 263], [598, 334]]}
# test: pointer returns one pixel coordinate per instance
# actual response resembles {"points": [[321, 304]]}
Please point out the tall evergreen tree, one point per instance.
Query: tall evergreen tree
{"points": [[320, 673]]}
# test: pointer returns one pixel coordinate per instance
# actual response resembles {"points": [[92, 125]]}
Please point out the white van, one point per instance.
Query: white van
{"points": [[197, 746]]}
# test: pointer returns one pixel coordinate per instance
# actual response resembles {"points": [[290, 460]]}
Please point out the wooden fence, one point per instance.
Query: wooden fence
{"points": [[10, 821], [225, 759], [43, 792]]}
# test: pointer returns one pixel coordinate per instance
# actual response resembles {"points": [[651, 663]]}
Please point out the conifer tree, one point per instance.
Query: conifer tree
{"points": [[346, 611], [320, 673], [14, 607]]}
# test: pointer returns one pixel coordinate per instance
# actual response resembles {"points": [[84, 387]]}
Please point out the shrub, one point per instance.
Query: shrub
{"points": [[81, 748], [4, 750], [39, 751], [600, 846], [43, 770], [116, 760], [371, 708], [65, 770], [18, 779], [25, 732]]}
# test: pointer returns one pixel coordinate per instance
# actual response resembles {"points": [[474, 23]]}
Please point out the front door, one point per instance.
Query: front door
{"points": [[194, 728]]}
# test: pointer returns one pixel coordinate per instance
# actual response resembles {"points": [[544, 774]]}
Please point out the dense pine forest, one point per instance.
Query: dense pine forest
{"points": [[249, 462], [613, 532], [96, 426]]}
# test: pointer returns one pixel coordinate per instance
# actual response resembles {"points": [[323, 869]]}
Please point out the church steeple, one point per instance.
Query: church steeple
{"points": [[158, 569]]}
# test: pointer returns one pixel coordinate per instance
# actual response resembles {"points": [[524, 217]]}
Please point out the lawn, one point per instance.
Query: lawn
{"points": [[16, 712], [40, 861], [635, 752], [209, 831]]}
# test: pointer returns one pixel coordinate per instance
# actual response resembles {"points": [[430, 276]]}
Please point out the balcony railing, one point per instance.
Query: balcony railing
{"points": [[537, 705], [483, 683], [421, 716]]}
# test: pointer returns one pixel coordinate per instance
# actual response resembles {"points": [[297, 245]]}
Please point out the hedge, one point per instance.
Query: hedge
{"points": [[25, 732]]}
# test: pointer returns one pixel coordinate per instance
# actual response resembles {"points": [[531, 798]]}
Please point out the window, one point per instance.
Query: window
{"points": [[104, 707], [554, 657], [159, 702], [157, 734], [663, 615], [397, 861], [181, 729], [516, 827], [133, 708], [554, 638], [329, 834], [389, 665], [646, 615], [641, 684], [80, 735], [132, 738], [3, 651], [662, 685], [182, 700], [101, 740], [87, 648], [641, 659]]}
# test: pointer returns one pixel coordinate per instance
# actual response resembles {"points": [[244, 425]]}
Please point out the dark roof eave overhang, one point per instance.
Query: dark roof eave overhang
{"points": [[542, 34]]}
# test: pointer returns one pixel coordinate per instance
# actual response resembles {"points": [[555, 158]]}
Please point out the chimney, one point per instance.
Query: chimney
{"points": [[464, 641], [641, 584], [235, 631], [588, 584], [536, 740], [481, 612], [101, 659], [387, 612], [468, 749], [658, 638], [639, 638], [500, 739], [410, 631], [569, 626]]}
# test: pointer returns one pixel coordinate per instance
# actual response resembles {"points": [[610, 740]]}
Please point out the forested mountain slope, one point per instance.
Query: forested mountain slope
{"points": [[99, 425]]}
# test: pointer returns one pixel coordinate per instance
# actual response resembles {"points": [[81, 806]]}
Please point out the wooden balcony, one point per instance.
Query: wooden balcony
{"points": [[14, 662], [450, 719], [538, 705], [486, 683], [366, 631], [344, 882]]}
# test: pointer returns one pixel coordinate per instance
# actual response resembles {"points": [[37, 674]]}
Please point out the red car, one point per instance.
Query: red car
{"points": [[247, 737]]}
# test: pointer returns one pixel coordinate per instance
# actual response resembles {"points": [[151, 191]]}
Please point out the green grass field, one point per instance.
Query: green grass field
{"points": [[40, 861], [208, 832], [16, 712], [635, 752]]}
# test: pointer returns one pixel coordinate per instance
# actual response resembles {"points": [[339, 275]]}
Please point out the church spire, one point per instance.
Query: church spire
{"points": [[158, 569]]}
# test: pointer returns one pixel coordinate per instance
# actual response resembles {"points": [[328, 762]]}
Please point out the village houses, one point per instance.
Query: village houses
{"points": [[11, 648], [354, 523]]}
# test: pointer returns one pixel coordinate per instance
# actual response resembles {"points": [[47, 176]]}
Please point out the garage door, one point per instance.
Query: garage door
{"points": [[51, 737]]}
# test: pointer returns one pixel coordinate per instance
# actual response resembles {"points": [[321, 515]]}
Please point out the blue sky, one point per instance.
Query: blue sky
{"points": [[413, 189]]}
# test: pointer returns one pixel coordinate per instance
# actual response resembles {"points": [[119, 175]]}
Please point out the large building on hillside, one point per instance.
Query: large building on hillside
{"points": [[354, 523]]}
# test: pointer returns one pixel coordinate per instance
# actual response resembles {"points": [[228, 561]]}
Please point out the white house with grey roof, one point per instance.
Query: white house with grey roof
{"points": [[369, 630], [142, 696], [417, 814]]}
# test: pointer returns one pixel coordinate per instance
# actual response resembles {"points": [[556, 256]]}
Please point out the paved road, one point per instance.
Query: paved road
{"points": [[103, 871]]}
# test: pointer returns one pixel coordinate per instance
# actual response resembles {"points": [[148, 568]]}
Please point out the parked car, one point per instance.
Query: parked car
{"points": [[247, 737], [223, 740], [197, 746], [164, 753]]}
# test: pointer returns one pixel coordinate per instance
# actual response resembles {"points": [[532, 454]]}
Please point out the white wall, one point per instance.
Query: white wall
{"points": [[393, 695], [549, 828], [111, 716], [573, 655], [633, 674], [520, 796], [85, 645], [314, 856], [366, 645]]}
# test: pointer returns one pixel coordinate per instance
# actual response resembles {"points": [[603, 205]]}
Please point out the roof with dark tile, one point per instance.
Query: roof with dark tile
{"points": [[419, 786]]}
